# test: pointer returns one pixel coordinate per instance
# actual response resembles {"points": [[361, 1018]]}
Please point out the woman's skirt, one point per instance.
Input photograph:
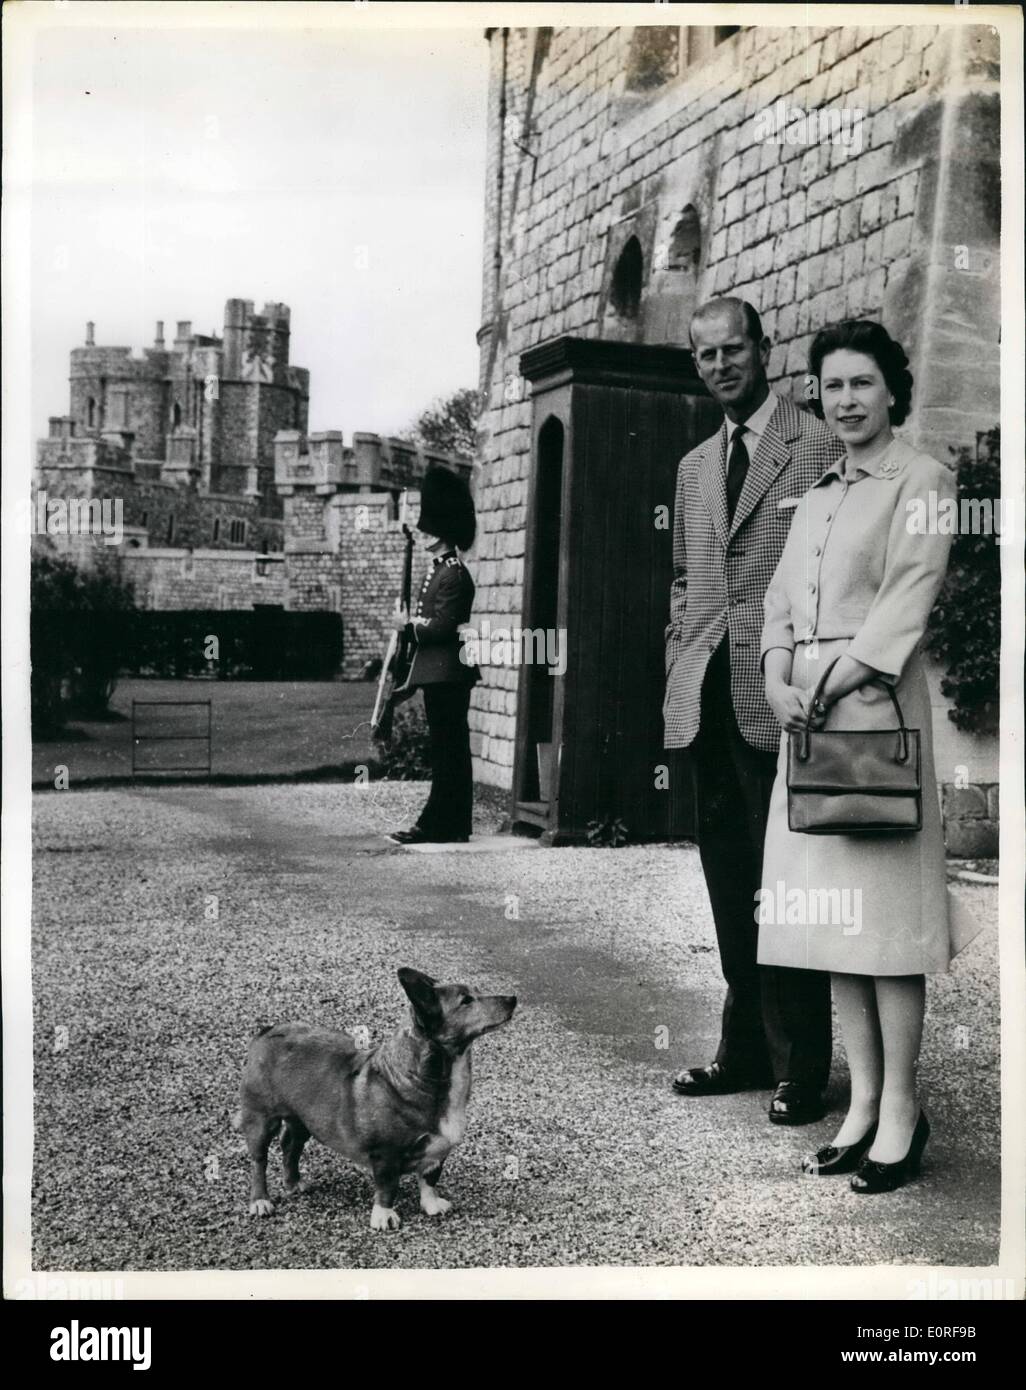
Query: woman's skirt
{"points": [[866, 904]]}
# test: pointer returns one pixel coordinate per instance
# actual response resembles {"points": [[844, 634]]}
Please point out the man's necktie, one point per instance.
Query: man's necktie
{"points": [[737, 470]]}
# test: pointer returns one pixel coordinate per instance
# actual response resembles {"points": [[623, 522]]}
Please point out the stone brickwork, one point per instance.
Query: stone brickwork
{"points": [[326, 463], [344, 542], [164, 512], [193, 579], [594, 158], [972, 820], [344, 552], [371, 549]]}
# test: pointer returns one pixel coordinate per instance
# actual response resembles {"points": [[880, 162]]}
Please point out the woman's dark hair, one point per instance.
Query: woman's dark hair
{"points": [[863, 335]]}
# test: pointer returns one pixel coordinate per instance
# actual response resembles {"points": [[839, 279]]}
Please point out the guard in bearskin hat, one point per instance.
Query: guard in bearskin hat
{"points": [[446, 597]]}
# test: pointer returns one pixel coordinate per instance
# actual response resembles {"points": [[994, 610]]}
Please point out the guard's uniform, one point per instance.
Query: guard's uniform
{"points": [[445, 601]]}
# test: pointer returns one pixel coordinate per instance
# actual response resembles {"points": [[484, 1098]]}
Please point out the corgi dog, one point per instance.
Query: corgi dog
{"points": [[400, 1107]]}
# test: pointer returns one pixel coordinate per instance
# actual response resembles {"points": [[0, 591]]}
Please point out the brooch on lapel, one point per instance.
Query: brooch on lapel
{"points": [[888, 468]]}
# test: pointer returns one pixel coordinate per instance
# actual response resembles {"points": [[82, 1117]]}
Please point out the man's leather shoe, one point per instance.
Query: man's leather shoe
{"points": [[794, 1103], [716, 1080], [416, 836], [406, 837]]}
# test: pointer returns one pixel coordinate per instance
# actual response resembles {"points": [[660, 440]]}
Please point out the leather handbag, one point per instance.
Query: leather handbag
{"points": [[858, 781]]}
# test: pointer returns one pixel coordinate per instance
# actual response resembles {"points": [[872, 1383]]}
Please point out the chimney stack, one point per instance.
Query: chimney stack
{"points": [[90, 326], [158, 342]]}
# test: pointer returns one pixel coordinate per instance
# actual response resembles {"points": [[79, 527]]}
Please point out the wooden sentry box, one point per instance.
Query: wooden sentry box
{"points": [[611, 421]]}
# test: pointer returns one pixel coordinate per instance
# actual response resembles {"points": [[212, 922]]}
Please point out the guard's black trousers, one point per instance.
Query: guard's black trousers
{"points": [[449, 807], [775, 1020]]}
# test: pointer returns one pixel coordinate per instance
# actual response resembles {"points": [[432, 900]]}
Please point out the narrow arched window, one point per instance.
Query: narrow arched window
{"points": [[625, 288], [91, 413], [176, 415]]}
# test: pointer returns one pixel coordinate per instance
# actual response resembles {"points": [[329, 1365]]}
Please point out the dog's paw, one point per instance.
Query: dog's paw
{"points": [[433, 1205], [297, 1189], [263, 1206], [385, 1219]]}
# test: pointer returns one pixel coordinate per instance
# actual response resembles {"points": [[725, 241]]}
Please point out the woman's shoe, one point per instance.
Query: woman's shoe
{"points": [[885, 1177], [826, 1162]]}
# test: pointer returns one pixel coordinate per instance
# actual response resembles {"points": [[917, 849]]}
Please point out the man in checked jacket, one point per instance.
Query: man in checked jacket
{"points": [[736, 494]]}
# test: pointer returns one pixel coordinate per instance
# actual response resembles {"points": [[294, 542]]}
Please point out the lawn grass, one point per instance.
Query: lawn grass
{"points": [[259, 730]]}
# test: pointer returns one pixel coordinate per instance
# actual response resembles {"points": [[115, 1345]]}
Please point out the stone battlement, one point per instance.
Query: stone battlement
{"points": [[324, 462]]}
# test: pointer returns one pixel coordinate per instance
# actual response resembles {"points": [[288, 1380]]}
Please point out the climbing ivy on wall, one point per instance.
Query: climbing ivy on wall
{"points": [[965, 627]]}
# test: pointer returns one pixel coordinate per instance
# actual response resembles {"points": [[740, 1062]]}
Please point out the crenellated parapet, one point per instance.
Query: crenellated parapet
{"points": [[64, 449], [324, 464]]}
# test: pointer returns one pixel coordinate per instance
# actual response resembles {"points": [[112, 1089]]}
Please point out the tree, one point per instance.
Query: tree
{"points": [[450, 423], [78, 638]]}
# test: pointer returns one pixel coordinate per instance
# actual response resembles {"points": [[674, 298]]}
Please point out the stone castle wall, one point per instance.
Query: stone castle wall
{"points": [[169, 578], [345, 552], [371, 550], [167, 513]]}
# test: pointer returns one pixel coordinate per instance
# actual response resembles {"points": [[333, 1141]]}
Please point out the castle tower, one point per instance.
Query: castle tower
{"points": [[236, 314], [260, 395]]}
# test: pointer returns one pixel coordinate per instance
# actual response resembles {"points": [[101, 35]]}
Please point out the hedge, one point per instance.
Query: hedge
{"points": [[226, 644], [965, 626]]}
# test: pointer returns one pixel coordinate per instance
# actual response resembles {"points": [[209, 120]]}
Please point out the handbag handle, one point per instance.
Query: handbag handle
{"points": [[803, 737]]}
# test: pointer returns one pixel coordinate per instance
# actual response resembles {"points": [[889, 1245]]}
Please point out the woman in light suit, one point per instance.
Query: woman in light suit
{"points": [[857, 580]]}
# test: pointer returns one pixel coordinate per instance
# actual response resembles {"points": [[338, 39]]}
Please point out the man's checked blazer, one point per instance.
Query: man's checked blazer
{"points": [[721, 573]]}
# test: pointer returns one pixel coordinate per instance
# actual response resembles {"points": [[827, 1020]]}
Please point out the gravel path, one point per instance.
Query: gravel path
{"points": [[577, 1151]]}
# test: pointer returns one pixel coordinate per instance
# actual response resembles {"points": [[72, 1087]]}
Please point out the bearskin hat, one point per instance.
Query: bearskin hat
{"points": [[447, 508]]}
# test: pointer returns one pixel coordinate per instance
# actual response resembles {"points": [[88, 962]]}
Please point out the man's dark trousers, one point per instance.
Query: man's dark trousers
{"points": [[449, 808], [776, 1021]]}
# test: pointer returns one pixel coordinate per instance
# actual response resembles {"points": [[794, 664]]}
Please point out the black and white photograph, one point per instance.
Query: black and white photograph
{"points": [[512, 657]]}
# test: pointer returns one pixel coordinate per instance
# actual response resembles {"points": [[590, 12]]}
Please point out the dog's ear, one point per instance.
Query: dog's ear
{"points": [[420, 990]]}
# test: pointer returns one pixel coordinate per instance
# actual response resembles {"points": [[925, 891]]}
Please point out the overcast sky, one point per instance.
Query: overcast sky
{"points": [[339, 173]]}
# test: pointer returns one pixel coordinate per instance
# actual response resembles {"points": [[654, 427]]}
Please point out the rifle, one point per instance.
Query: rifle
{"points": [[398, 660]]}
